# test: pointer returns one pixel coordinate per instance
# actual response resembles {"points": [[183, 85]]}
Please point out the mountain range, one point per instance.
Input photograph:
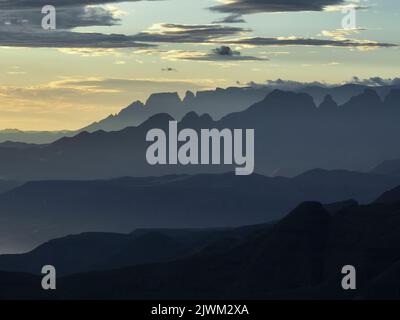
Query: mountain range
{"points": [[216, 103], [298, 257], [291, 135], [41, 210], [88, 202], [101, 251]]}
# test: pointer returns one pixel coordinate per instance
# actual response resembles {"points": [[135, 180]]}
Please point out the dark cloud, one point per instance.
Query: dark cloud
{"points": [[22, 28], [291, 85], [233, 18], [223, 53], [288, 85], [257, 6], [26, 14], [67, 39], [167, 34], [376, 81], [183, 33], [67, 18], [260, 41], [214, 33], [163, 33], [22, 4], [22, 25]]}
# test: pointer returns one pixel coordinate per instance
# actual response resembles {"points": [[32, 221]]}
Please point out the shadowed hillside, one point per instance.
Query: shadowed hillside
{"points": [[291, 134], [42, 210], [299, 257]]}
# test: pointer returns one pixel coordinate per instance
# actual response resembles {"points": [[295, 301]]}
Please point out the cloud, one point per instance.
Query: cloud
{"points": [[21, 26], [187, 33], [237, 8], [124, 84], [233, 18], [216, 33], [97, 88], [291, 85], [341, 34], [92, 52], [349, 4], [68, 39], [298, 41], [258, 6], [67, 18], [376, 81], [25, 4], [160, 33], [220, 54], [55, 105], [225, 51], [15, 73]]}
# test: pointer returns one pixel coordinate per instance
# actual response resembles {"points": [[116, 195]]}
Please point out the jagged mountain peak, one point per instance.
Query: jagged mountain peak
{"points": [[157, 120], [193, 119], [286, 101], [189, 97], [133, 106], [190, 116], [392, 100], [390, 197], [308, 215], [367, 99], [289, 96], [163, 98], [328, 104]]}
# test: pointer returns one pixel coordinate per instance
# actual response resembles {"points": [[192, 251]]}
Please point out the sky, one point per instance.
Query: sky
{"points": [[105, 54]]}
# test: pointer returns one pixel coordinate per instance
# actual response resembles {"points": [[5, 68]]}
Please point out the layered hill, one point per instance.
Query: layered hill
{"points": [[217, 103], [291, 135], [42, 210], [299, 257]]}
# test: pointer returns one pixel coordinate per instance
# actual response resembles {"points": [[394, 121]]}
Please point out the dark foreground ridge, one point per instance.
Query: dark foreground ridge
{"points": [[299, 257], [59, 208]]}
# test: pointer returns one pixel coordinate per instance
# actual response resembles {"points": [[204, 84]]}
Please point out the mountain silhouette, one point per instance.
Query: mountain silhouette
{"points": [[298, 257], [36, 137], [365, 103], [389, 197], [217, 103], [392, 99], [102, 251], [58, 208], [123, 119], [328, 105], [291, 132], [388, 167]]}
